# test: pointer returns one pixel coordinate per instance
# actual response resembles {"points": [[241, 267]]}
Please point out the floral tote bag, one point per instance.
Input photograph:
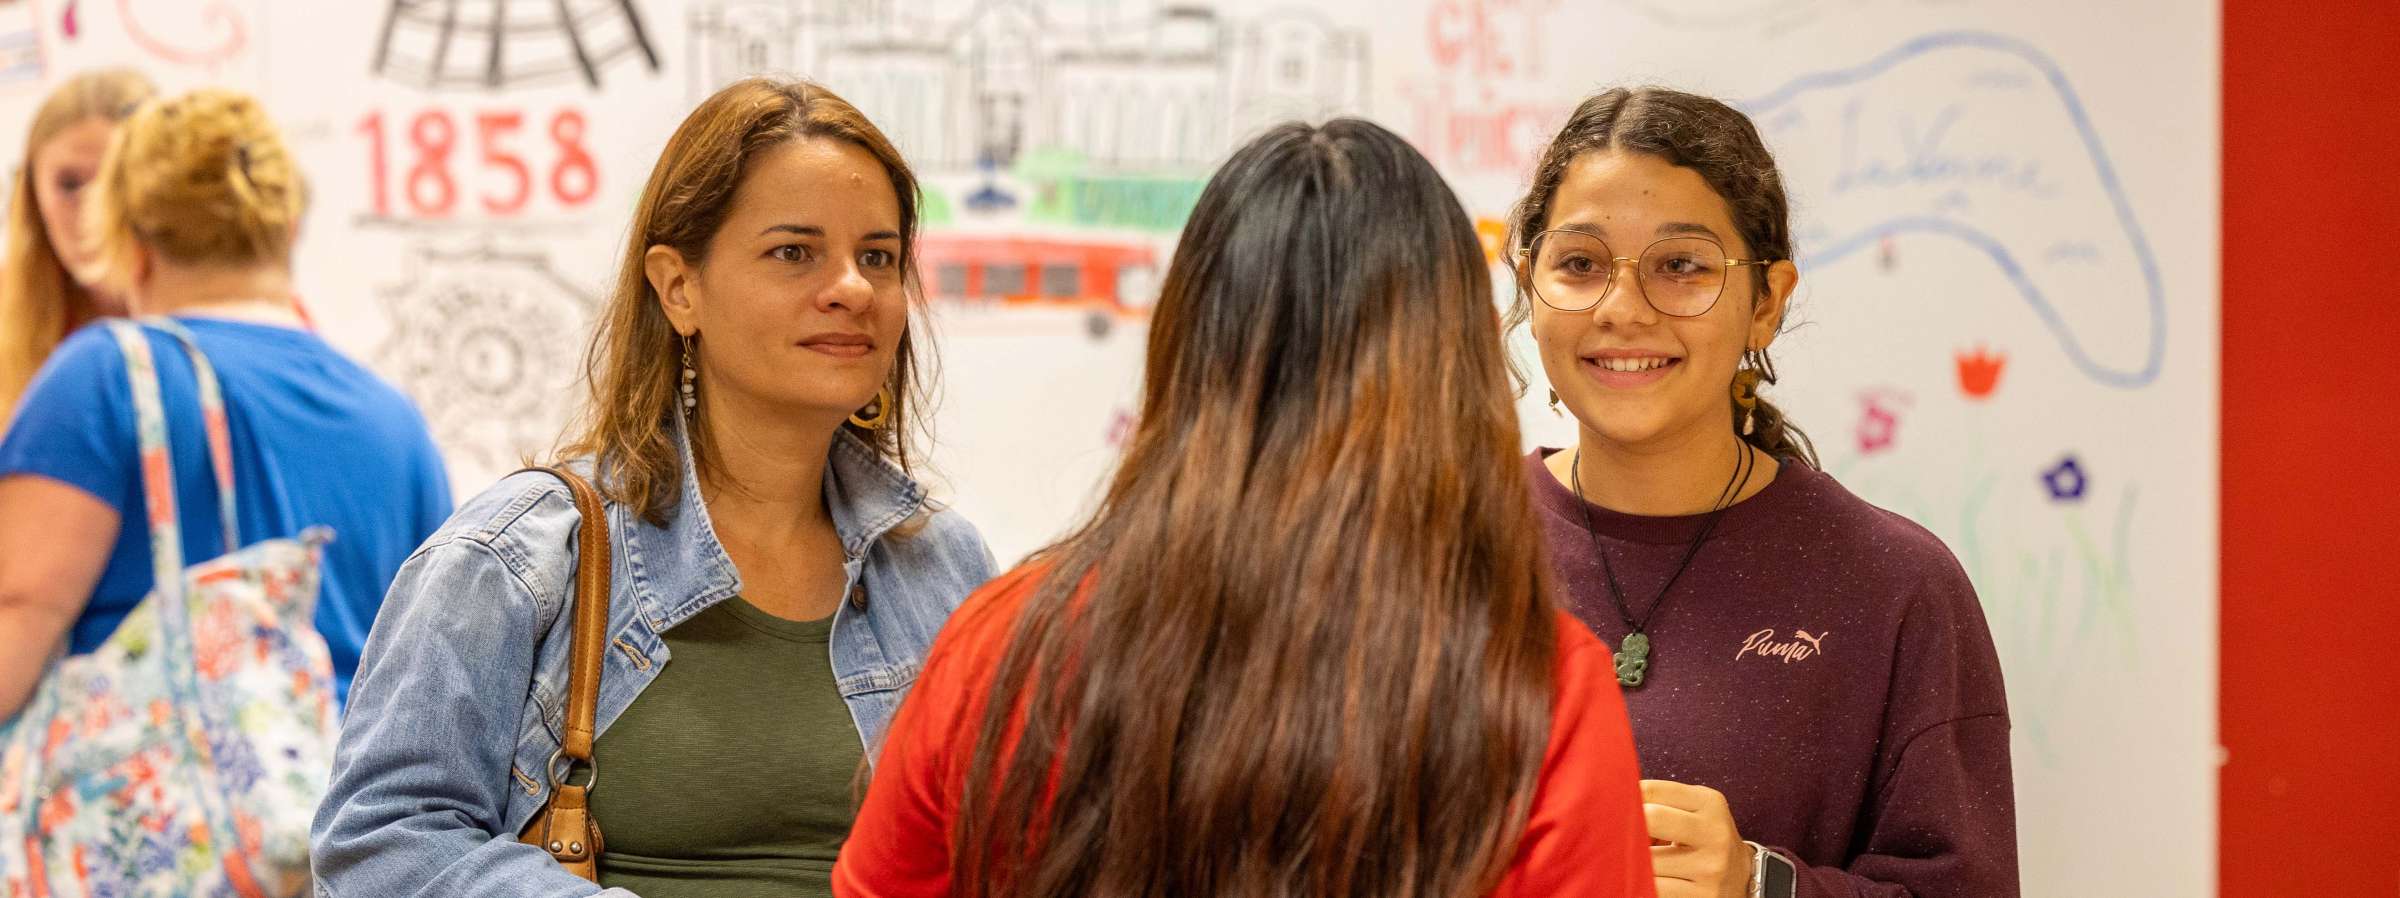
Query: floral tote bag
{"points": [[185, 756]]}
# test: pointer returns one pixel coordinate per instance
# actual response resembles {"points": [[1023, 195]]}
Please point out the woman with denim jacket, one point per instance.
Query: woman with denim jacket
{"points": [[777, 576]]}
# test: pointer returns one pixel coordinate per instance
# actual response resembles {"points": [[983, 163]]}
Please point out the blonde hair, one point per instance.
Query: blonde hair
{"points": [[39, 300], [633, 367], [201, 180]]}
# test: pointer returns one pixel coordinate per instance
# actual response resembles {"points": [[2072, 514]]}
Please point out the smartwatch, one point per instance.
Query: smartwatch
{"points": [[1771, 875]]}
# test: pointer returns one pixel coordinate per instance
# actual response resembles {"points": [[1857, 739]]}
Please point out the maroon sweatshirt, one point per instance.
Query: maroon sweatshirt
{"points": [[1825, 664]]}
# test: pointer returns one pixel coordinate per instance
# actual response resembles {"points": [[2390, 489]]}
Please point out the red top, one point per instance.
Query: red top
{"points": [[1587, 837]]}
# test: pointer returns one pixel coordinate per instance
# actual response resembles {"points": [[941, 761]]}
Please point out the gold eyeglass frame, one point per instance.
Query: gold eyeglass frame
{"points": [[1525, 274]]}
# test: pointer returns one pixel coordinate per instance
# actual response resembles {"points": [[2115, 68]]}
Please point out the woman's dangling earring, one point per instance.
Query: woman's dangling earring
{"points": [[691, 378], [1554, 402], [1753, 369], [878, 414]]}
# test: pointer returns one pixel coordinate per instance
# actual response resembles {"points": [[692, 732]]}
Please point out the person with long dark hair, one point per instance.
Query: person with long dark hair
{"points": [[1814, 691], [1304, 646]]}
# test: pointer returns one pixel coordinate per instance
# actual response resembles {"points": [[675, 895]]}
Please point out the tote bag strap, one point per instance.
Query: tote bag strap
{"points": [[156, 458], [157, 453], [167, 599], [213, 423]]}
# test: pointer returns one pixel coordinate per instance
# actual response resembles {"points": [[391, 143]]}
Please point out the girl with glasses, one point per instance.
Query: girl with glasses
{"points": [[1813, 690]]}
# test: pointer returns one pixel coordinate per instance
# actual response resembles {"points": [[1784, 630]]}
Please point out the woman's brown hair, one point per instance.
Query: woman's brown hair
{"points": [[39, 299], [634, 363], [1303, 645], [1720, 144]]}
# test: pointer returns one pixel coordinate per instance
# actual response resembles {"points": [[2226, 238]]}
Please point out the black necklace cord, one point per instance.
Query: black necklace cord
{"points": [[1736, 483]]}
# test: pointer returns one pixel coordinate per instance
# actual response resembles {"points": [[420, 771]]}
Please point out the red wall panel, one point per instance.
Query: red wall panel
{"points": [[2310, 619]]}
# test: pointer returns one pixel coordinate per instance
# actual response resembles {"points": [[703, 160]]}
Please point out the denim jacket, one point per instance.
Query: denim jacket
{"points": [[456, 710]]}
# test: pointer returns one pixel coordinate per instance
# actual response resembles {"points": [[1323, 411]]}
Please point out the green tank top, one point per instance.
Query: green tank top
{"points": [[737, 771]]}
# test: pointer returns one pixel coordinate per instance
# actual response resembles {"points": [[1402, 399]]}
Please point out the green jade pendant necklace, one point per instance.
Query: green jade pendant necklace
{"points": [[1633, 656]]}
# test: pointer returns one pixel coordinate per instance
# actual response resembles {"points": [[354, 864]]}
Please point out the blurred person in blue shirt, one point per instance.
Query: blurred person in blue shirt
{"points": [[194, 215]]}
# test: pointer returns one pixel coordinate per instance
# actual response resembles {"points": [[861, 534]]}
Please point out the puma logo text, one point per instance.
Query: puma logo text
{"points": [[1801, 647]]}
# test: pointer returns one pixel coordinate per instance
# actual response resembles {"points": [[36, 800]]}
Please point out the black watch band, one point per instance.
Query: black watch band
{"points": [[1771, 874]]}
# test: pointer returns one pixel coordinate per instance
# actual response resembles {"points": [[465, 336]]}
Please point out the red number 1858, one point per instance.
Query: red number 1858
{"points": [[429, 188]]}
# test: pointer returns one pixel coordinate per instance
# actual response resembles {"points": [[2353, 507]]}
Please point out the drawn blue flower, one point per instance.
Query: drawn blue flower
{"points": [[2066, 480]]}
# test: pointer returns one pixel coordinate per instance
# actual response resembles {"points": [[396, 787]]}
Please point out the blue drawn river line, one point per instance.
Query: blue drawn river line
{"points": [[1957, 41]]}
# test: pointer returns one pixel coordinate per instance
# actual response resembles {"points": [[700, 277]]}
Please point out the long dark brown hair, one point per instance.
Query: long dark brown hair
{"points": [[633, 366], [1303, 646], [1720, 144]]}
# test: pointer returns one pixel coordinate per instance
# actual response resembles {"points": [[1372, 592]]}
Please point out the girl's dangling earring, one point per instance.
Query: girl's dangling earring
{"points": [[1554, 403], [1753, 368], [691, 377]]}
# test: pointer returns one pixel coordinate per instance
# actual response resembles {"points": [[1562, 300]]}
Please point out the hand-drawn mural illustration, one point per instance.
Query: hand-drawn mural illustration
{"points": [[1487, 101], [493, 45], [2066, 480], [217, 38], [1764, 16], [1979, 372], [482, 339], [2009, 164], [1976, 229], [1879, 419], [20, 42], [1074, 139], [187, 33], [2005, 230], [1168, 89]]}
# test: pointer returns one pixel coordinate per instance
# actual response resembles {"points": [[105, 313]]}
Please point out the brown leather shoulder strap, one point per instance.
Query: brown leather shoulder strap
{"points": [[589, 630], [564, 826]]}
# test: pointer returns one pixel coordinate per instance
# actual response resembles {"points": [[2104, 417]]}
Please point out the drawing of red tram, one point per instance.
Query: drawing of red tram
{"points": [[1116, 277]]}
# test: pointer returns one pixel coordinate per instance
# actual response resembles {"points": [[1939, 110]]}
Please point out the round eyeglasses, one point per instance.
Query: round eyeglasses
{"points": [[1680, 276]]}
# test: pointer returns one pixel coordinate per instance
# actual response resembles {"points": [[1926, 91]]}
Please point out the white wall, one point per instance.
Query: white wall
{"points": [[2036, 179]]}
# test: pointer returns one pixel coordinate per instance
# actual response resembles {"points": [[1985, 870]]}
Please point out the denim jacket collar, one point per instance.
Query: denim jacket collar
{"points": [[681, 569]]}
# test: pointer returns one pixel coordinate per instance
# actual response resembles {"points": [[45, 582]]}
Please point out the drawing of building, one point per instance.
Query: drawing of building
{"points": [[1173, 87]]}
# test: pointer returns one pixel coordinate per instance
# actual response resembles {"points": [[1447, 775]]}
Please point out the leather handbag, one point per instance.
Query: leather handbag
{"points": [[565, 827]]}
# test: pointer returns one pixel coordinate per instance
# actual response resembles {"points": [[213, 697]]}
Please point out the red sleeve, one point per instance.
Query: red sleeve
{"points": [[1586, 836], [899, 847]]}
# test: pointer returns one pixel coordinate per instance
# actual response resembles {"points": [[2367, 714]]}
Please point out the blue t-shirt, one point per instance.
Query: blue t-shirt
{"points": [[317, 439]]}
